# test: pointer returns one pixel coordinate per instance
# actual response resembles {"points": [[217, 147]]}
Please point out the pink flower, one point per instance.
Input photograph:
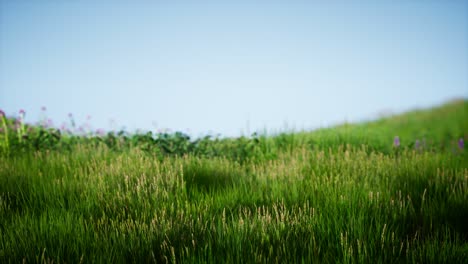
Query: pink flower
{"points": [[100, 132]]}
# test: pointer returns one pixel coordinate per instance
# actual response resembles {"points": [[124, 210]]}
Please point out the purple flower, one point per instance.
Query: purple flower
{"points": [[70, 115], [43, 108], [100, 132], [2, 114], [417, 144], [396, 141], [22, 112], [461, 143]]}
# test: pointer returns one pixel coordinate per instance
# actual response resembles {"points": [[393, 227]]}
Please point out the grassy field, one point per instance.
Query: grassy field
{"points": [[348, 194]]}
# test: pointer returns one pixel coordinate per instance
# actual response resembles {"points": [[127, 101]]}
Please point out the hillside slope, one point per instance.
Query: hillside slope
{"points": [[336, 195], [439, 127]]}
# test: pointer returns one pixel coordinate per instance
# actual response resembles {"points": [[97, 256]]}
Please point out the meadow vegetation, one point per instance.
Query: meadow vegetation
{"points": [[346, 194]]}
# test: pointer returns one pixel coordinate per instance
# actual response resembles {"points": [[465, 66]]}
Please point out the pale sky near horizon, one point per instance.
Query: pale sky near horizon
{"points": [[230, 68]]}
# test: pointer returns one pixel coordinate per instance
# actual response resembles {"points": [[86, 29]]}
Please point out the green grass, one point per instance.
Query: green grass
{"points": [[337, 195]]}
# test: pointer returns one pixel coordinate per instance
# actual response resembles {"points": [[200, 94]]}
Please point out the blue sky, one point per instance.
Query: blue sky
{"points": [[229, 68]]}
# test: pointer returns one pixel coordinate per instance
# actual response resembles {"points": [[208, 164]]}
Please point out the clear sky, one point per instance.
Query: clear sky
{"points": [[229, 67]]}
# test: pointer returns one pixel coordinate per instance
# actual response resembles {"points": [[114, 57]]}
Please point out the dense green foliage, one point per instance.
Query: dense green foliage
{"points": [[346, 194]]}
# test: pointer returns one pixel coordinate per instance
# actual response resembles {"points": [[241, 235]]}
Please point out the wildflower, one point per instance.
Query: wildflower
{"points": [[70, 115], [2, 114], [100, 132], [461, 143], [417, 144], [22, 112], [396, 141], [43, 108]]}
